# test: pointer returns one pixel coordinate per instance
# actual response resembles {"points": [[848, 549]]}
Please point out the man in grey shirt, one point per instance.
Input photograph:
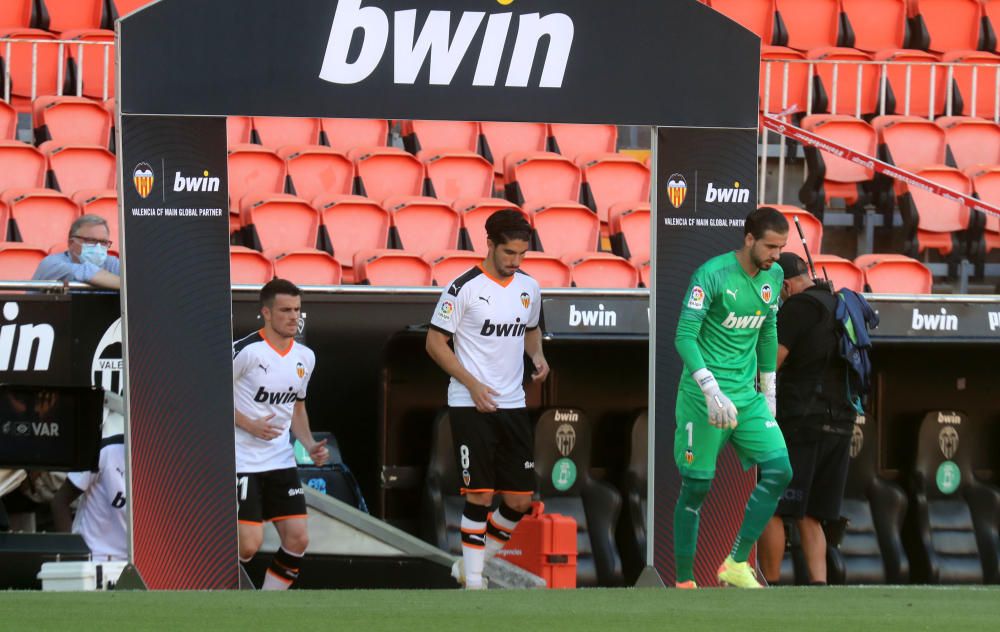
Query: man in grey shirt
{"points": [[86, 259]]}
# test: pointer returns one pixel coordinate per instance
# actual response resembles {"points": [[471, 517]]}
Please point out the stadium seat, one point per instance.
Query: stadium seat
{"points": [[837, 88], [811, 226], [307, 266], [40, 217], [352, 223], [911, 143], [645, 274], [279, 223], [600, 270], [925, 82], [346, 134], [548, 270], [894, 274], [423, 224], [629, 227], [456, 174], [987, 186], [239, 129], [953, 532], [8, 121], [933, 222], [611, 178], [500, 139], [103, 203], [946, 25], [631, 534], [874, 25], [809, 24], [73, 168], [572, 140], [124, 7], [991, 19], [71, 121], [315, 170], [19, 65], [565, 227], [18, 261], [539, 177], [439, 136], [254, 170], [594, 504], [249, 267], [66, 15], [91, 68], [278, 131], [391, 268], [974, 143], [16, 13], [441, 505], [775, 62], [832, 177], [842, 272], [21, 166], [384, 172], [975, 88], [475, 212], [448, 265], [756, 15]]}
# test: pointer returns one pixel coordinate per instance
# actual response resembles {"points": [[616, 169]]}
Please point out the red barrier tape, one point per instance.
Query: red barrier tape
{"points": [[884, 168]]}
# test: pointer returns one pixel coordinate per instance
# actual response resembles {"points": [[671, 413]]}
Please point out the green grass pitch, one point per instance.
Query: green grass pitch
{"points": [[907, 609]]}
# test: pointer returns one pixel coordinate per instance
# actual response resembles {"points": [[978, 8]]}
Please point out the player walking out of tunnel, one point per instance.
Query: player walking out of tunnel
{"points": [[725, 335], [492, 314]]}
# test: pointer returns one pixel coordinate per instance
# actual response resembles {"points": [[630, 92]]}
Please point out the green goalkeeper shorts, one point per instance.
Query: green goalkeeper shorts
{"points": [[697, 443]]}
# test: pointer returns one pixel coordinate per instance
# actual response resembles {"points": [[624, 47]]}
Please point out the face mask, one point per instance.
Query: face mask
{"points": [[93, 253]]}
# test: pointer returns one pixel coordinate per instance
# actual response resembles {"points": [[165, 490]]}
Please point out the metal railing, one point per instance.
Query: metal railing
{"points": [[13, 49]]}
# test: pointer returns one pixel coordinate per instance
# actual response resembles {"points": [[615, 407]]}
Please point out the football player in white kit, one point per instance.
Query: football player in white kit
{"points": [[492, 314], [270, 375]]}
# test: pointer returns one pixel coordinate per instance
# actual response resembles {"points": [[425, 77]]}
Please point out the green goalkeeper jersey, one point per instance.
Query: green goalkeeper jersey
{"points": [[728, 325]]}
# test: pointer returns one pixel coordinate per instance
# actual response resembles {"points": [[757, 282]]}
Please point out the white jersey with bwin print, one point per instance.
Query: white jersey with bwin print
{"points": [[488, 318], [265, 382], [101, 517]]}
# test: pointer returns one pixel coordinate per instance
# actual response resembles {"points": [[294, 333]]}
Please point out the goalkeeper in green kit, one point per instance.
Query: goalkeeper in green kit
{"points": [[726, 334]]}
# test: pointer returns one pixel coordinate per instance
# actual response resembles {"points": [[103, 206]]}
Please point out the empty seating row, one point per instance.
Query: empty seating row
{"points": [[66, 168]]}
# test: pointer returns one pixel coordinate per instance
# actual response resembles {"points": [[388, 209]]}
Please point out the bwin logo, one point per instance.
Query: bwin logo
{"points": [[30, 338], [934, 322], [411, 49], [592, 318], [267, 397], [503, 329], [743, 322], [724, 195], [203, 183]]}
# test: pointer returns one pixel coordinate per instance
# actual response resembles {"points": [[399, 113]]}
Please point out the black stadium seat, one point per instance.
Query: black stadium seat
{"points": [[632, 527], [441, 508]]}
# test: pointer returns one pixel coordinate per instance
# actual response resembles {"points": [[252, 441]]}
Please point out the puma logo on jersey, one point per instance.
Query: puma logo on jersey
{"points": [[743, 322], [267, 397], [732, 293], [262, 368], [503, 329], [485, 299]]}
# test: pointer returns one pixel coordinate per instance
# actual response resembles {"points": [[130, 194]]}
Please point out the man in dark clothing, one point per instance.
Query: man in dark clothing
{"points": [[816, 416]]}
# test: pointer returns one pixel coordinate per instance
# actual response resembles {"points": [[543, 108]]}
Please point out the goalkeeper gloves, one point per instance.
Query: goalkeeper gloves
{"points": [[768, 386], [721, 411]]}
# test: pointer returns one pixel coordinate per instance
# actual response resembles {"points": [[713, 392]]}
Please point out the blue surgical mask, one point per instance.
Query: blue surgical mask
{"points": [[93, 253]]}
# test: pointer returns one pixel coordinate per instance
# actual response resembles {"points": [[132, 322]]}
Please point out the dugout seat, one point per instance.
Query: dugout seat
{"points": [[315, 170], [953, 525], [775, 61], [630, 231], [809, 25], [609, 178], [922, 81], [279, 223], [448, 265], [833, 177], [85, 63], [631, 533], [422, 224], [946, 25], [71, 121], [351, 223], [812, 228], [457, 174], [73, 168], [475, 212], [100, 202], [64, 15], [18, 261], [842, 272], [565, 227], [562, 463], [41, 217], [440, 136], [19, 65], [572, 140], [346, 134], [837, 88], [8, 121], [600, 270], [21, 166], [239, 130], [390, 268], [500, 139], [254, 170], [548, 270], [384, 172], [894, 274], [987, 186], [540, 177], [17, 13], [278, 131], [307, 266], [973, 144], [874, 25], [249, 267], [974, 89], [442, 504]]}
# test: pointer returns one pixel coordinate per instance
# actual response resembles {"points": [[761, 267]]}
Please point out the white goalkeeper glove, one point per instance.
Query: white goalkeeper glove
{"points": [[768, 386], [721, 411]]}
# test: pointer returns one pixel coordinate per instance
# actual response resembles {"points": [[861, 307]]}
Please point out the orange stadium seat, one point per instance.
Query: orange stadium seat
{"points": [[249, 267], [71, 120], [565, 227], [391, 268], [423, 224], [238, 129], [278, 131], [979, 99], [254, 170], [279, 223], [810, 23], [448, 265], [540, 177], [475, 212], [812, 228], [921, 81], [500, 139], [346, 134], [629, 227], [946, 25], [974, 143], [933, 222], [352, 223], [914, 143], [103, 203], [987, 185], [548, 270], [21, 166], [19, 65], [315, 170], [756, 15], [16, 13], [894, 274], [457, 174], [832, 177], [65, 15], [842, 272], [612, 178], [41, 216], [8, 121], [18, 261], [124, 7], [600, 270], [842, 96], [875, 24], [437, 136], [991, 12], [571, 140], [308, 266], [76, 167], [774, 96], [387, 171], [86, 63]]}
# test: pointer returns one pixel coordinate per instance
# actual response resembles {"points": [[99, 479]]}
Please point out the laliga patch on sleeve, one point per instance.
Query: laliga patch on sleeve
{"points": [[697, 300], [445, 310]]}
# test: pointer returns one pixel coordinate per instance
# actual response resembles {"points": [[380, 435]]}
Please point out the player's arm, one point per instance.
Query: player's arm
{"points": [[259, 427], [62, 515], [533, 347], [767, 360], [317, 450], [439, 351]]}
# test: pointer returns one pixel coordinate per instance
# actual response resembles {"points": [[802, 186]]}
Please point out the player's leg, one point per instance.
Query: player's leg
{"points": [[250, 520], [475, 445], [285, 506], [824, 500], [771, 548], [802, 454], [515, 476]]}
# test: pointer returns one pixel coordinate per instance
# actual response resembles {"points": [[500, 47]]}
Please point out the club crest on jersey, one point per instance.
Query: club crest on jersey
{"points": [[466, 477], [765, 292], [447, 307], [677, 188], [697, 300], [525, 300], [689, 456], [300, 370]]}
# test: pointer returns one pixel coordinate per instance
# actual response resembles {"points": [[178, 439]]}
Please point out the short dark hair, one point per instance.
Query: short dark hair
{"points": [[764, 219], [505, 225], [277, 286]]}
